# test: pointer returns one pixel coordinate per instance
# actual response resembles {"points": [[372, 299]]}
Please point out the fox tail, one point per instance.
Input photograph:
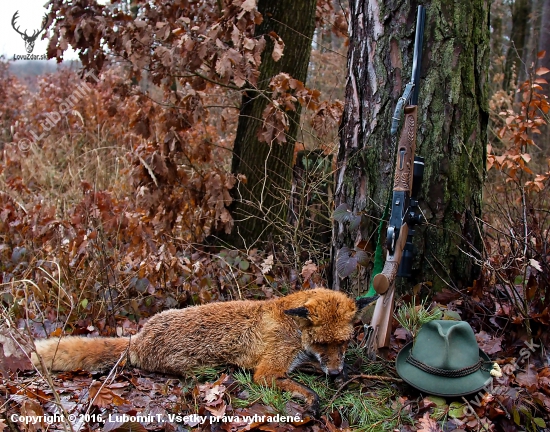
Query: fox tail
{"points": [[73, 352]]}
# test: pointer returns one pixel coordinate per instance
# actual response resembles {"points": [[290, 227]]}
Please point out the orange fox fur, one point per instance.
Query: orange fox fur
{"points": [[272, 337]]}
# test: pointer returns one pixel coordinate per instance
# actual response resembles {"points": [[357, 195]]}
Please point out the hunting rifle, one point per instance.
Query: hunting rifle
{"points": [[405, 213]]}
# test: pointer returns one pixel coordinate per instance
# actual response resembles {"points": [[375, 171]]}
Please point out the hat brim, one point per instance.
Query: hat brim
{"points": [[438, 385]]}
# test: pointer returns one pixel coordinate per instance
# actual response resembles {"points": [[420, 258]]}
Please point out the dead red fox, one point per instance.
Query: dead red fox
{"points": [[272, 337]]}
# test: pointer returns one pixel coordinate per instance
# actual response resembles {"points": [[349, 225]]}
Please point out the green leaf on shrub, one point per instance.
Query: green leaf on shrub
{"points": [[515, 414], [539, 422]]}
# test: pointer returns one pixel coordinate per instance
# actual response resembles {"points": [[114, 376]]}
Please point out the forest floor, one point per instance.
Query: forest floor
{"points": [[373, 398]]}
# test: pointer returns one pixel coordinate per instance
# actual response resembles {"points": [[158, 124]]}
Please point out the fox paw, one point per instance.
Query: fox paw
{"points": [[314, 408], [342, 378]]}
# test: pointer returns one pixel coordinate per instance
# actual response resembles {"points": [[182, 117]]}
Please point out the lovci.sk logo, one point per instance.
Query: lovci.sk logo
{"points": [[29, 40]]}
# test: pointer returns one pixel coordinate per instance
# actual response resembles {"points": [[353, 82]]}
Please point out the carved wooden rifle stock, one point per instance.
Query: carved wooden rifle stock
{"points": [[405, 213]]}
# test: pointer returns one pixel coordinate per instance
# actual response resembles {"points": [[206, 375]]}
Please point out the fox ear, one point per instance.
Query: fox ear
{"points": [[301, 312], [365, 301]]}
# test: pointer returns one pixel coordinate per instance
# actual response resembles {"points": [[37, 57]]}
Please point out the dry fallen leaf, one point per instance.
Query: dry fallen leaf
{"points": [[267, 264], [489, 344], [103, 397], [12, 357], [31, 408], [308, 269], [535, 264], [426, 424], [249, 5], [401, 334], [529, 378]]}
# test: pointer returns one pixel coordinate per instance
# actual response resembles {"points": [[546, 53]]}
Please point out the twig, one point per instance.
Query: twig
{"points": [[111, 372], [304, 36], [477, 417], [149, 170], [50, 382], [378, 378]]}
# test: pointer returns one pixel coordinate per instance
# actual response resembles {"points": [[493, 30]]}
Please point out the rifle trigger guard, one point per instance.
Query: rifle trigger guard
{"points": [[390, 239]]}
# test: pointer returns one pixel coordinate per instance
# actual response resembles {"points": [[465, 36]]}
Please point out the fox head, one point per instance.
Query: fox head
{"points": [[326, 324]]}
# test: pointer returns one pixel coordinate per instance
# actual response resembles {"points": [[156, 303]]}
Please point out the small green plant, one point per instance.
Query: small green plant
{"points": [[205, 374], [371, 412], [412, 317], [270, 396], [320, 385]]}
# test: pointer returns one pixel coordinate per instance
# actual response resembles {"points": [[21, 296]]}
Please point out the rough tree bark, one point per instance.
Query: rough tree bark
{"points": [[261, 204], [453, 116]]}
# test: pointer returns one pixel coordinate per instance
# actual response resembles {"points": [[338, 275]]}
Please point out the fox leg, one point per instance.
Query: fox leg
{"points": [[267, 373], [309, 396]]}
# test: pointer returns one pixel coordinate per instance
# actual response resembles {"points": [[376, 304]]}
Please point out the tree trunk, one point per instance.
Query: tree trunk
{"points": [[544, 45], [531, 43], [261, 205], [519, 38], [453, 116], [544, 37], [499, 42]]}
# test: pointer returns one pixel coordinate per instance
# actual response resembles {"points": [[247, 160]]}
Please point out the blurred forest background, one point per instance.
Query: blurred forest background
{"points": [[190, 156]]}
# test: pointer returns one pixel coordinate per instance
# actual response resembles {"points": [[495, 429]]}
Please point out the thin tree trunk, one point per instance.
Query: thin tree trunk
{"points": [[544, 38], [499, 42], [453, 116], [531, 43], [518, 40], [544, 45], [261, 205]]}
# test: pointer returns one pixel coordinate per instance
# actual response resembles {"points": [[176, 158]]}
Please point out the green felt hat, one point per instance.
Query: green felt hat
{"points": [[445, 360]]}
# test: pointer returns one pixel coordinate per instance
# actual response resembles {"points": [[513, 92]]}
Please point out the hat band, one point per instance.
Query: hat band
{"points": [[455, 373]]}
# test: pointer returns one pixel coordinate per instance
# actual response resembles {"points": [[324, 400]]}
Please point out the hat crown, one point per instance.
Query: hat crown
{"points": [[448, 345], [444, 360]]}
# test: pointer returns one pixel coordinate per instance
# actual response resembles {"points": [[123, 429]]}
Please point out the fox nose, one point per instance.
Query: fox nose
{"points": [[333, 372]]}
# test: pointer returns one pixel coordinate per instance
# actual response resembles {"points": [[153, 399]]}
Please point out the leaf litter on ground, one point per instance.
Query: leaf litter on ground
{"points": [[520, 398]]}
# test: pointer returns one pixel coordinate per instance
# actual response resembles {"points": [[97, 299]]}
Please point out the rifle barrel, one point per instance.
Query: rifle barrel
{"points": [[417, 59]]}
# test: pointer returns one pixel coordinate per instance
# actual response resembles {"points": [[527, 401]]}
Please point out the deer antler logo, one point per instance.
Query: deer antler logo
{"points": [[29, 40]]}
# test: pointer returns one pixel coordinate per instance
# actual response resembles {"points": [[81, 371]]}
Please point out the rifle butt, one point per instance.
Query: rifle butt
{"points": [[382, 319], [382, 281]]}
